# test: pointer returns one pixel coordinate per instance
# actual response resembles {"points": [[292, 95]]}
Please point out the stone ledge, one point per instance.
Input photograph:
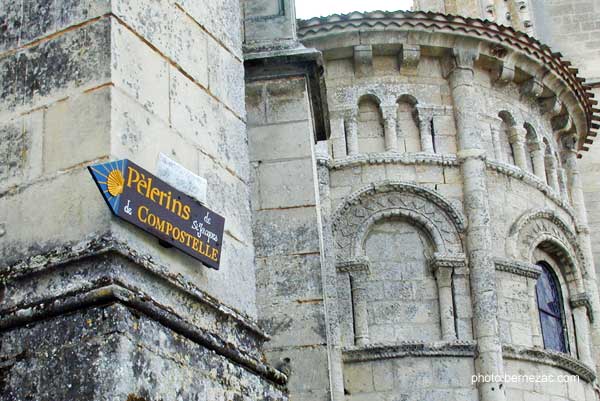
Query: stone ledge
{"points": [[106, 244], [141, 302], [376, 351], [517, 267], [534, 181], [550, 358], [391, 158]]}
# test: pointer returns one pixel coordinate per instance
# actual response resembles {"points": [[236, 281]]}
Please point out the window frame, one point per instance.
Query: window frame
{"points": [[553, 276]]}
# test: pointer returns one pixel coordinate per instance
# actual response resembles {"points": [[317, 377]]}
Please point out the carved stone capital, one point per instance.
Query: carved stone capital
{"points": [[516, 135], [582, 300], [518, 268], [389, 112], [550, 160], [360, 265], [424, 113], [465, 56], [441, 261], [350, 115]]}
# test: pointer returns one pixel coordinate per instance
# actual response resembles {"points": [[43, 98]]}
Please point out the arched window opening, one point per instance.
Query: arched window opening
{"points": [[370, 126], [407, 128], [506, 129], [551, 310], [532, 144]]}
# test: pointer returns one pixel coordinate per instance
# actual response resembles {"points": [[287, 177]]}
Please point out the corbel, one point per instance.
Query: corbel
{"points": [[363, 60], [409, 57]]}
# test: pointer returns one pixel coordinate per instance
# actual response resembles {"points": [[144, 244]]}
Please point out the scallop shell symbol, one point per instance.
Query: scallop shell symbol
{"points": [[115, 183]]}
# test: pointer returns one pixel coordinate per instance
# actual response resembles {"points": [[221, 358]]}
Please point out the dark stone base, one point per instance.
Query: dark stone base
{"points": [[113, 352]]}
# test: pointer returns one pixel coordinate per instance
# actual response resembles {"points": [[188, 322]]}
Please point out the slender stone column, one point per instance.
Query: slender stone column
{"points": [[552, 172], [359, 302], [562, 182], [582, 329], [498, 154], [391, 136], [478, 238], [351, 125], [443, 278], [537, 158], [517, 140], [536, 332], [424, 117]]}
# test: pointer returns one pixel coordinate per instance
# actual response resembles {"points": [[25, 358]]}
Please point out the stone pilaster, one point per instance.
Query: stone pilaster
{"points": [[478, 238]]}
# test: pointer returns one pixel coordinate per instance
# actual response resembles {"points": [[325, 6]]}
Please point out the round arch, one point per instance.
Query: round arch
{"points": [[425, 208]]}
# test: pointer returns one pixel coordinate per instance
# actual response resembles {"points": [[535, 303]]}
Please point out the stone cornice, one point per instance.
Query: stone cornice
{"points": [[551, 358], [377, 351], [295, 62], [517, 267], [502, 44]]}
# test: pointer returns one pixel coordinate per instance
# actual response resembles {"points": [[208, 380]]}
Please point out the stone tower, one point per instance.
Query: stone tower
{"points": [[91, 308]]}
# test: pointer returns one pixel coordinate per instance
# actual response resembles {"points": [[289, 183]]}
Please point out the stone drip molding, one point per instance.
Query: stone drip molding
{"points": [[378, 351], [107, 244], [510, 48], [518, 268], [450, 160], [550, 358], [544, 225], [533, 181]]}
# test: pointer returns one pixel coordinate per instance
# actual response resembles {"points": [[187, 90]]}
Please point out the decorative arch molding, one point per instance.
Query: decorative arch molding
{"points": [[544, 228], [424, 207]]}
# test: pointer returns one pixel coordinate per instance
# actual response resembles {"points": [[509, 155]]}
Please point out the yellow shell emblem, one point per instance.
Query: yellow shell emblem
{"points": [[115, 183]]}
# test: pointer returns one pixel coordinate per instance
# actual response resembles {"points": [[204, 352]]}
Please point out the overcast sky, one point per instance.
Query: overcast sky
{"points": [[315, 8]]}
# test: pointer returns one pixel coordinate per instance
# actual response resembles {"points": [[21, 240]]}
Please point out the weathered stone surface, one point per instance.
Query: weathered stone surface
{"points": [[51, 68], [81, 124], [123, 352]]}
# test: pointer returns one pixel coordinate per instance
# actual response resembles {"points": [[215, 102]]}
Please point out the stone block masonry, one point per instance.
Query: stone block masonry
{"points": [[115, 315]]}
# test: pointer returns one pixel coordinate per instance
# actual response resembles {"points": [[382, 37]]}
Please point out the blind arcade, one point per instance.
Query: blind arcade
{"points": [[137, 196]]}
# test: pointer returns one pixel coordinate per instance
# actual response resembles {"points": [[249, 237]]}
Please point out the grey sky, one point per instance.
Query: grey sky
{"points": [[315, 8]]}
